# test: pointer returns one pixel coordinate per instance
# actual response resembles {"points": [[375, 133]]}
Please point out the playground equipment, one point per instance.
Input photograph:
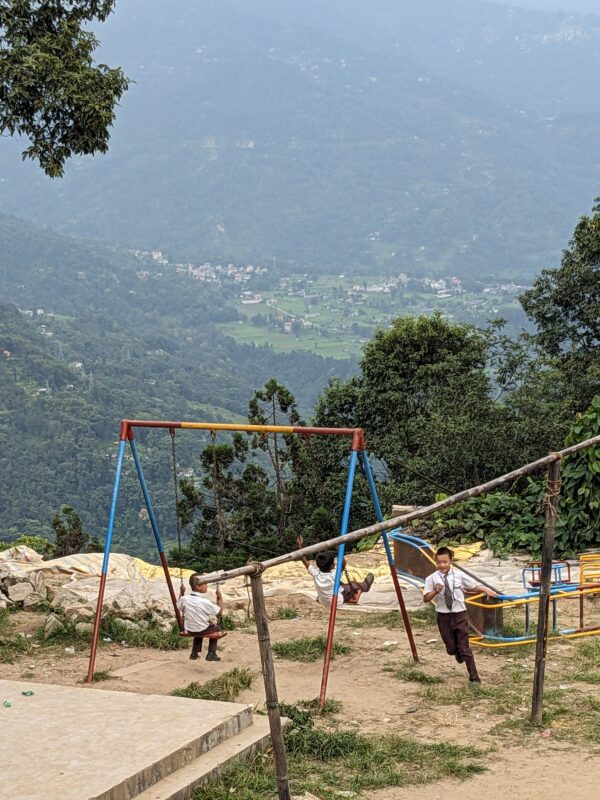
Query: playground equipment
{"points": [[254, 571], [358, 455], [414, 559]]}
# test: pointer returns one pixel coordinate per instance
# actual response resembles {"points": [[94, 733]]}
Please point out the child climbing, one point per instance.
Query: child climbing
{"points": [[324, 577], [197, 610], [445, 587]]}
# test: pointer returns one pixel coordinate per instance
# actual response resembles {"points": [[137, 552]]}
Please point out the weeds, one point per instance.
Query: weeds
{"points": [[413, 674], [585, 658], [101, 675], [393, 619], [308, 649], [152, 636], [330, 706], [225, 687], [11, 644], [286, 612]]}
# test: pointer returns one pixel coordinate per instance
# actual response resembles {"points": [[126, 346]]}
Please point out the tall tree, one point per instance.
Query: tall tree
{"points": [[50, 89], [564, 303], [274, 404], [70, 535]]}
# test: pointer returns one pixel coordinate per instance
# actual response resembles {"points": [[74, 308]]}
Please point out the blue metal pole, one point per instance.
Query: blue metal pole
{"points": [[109, 534], [338, 576], [113, 506], [392, 564], [147, 500], [156, 532], [345, 520]]}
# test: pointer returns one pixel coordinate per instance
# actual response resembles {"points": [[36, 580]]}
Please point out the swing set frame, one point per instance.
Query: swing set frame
{"points": [[357, 452]]}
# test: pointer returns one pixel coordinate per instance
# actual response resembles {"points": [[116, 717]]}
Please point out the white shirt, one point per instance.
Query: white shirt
{"points": [[457, 581], [324, 582], [196, 609]]}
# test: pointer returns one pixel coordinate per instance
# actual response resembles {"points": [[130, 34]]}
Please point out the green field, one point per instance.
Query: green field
{"points": [[341, 314]]}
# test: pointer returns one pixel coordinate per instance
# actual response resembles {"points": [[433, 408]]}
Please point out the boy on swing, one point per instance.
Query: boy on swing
{"points": [[323, 575], [445, 588], [196, 609]]}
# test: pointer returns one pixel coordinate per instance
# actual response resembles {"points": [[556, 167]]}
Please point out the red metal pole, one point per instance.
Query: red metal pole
{"points": [[404, 612], [163, 561], [328, 648], [96, 632]]}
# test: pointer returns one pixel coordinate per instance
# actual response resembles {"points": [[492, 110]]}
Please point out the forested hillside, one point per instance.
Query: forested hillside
{"points": [[99, 341], [443, 137]]}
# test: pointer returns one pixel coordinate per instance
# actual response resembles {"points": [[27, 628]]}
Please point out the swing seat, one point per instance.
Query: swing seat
{"points": [[354, 599], [213, 635]]}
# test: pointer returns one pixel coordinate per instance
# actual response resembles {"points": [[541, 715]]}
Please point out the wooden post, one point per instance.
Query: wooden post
{"points": [[268, 670], [551, 503]]}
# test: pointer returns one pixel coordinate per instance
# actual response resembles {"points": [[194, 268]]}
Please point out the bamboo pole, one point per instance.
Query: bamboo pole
{"points": [[551, 501], [397, 522], [268, 671]]}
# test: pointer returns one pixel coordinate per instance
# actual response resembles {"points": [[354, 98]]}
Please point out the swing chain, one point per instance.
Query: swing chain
{"points": [[177, 520]]}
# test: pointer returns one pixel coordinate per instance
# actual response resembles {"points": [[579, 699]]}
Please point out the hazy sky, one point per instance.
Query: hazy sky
{"points": [[575, 6]]}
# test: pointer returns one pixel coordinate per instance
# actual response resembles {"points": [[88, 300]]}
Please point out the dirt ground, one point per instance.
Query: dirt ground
{"points": [[523, 762]]}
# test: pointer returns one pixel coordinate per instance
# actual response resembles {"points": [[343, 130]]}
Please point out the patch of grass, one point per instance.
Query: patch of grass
{"points": [[387, 619], [413, 674], [230, 623], [308, 649], [329, 763], [330, 706], [111, 627], [225, 687], [501, 699], [12, 644], [423, 616], [516, 674], [586, 656], [101, 675], [285, 612], [588, 651], [152, 636]]}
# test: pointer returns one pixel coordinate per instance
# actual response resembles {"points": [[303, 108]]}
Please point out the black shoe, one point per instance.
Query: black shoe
{"points": [[213, 657], [193, 656], [369, 580], [459, 658], [476, 681]]}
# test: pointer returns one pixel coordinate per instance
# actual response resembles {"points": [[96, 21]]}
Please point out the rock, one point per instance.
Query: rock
{"points": [[53, 626], [84, 629], [17, 592], [238, 615], [128, 624], [32, 601], [77, 612], [22, 554], [4, 601], [38, 582], [11, 574], [161, 623]]}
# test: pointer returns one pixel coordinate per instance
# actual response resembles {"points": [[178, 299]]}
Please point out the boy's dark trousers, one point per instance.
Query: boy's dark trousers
{"points": [[198, 636], [454, 630], [350, 589]]}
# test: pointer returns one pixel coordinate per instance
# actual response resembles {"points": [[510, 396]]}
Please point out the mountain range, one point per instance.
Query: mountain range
{"points": [[449, 137]]}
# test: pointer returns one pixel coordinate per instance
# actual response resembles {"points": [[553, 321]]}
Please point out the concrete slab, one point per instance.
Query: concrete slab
{"points": [[68, 743]]}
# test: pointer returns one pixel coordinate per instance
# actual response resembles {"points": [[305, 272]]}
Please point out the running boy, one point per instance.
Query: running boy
{"points": [[324, 577], [197, 610], [445, 588]]}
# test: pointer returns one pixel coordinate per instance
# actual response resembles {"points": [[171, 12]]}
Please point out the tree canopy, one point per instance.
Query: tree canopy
{"points": [[50, 89], [564, 303]]}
